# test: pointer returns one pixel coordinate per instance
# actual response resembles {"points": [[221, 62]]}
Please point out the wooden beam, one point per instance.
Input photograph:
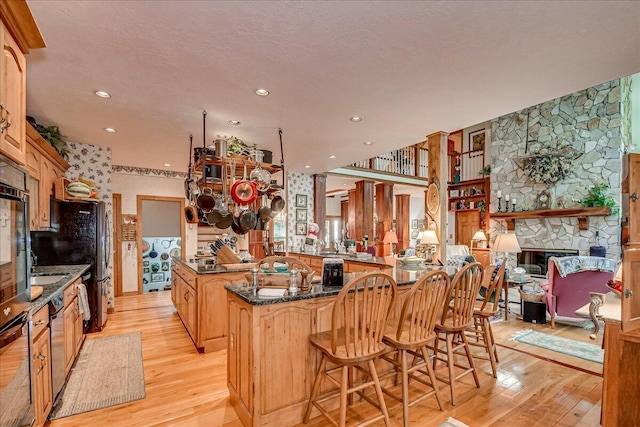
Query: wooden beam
{"points": [[437, 145], [364, 212], [403, 220], [384, 211]]}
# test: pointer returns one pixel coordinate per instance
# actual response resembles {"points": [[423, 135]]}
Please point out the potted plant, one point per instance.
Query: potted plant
{"points": [[597, 197], [485, 171], [54, 137], [237, 147]]}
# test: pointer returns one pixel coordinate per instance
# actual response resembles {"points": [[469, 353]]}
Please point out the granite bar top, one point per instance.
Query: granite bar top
{"points": [[401, 275], [347, 257], [71, 272], [202, 267]]}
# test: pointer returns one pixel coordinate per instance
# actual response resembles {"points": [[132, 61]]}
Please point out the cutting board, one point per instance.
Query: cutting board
{"points": [[36, 291], [240, 266]]}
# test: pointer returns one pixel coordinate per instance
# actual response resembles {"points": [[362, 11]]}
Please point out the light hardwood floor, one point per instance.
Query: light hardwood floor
{"points": [[185, 388]]}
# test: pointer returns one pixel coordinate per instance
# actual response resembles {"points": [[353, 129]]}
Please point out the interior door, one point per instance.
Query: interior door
{"points": [[467, 223]]}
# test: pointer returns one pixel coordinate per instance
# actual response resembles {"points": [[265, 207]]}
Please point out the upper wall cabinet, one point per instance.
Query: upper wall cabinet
{"points": [[18, 34]]}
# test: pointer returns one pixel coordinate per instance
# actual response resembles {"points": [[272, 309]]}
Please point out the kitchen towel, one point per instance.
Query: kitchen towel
{"points": [[83, 301]]}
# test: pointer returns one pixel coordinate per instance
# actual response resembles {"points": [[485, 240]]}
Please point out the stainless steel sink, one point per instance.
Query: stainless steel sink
{"points": [[47, 280]]}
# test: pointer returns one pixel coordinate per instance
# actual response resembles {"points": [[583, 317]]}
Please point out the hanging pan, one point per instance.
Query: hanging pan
{"points": [[261, 178], [277, 204], [244, 192], [191, 214], [153, 253], [265, 211]]}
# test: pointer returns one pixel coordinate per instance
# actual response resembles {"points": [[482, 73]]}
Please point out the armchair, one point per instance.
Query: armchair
{"points": [[564, 295]]}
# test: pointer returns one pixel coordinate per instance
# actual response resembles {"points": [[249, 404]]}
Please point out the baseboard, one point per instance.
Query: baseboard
{"points": [[128, 294]]}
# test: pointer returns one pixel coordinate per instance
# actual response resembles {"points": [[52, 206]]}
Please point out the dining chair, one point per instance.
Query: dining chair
{"points": [[486, 307], [410, 334], [358, 322], [457, 316]]}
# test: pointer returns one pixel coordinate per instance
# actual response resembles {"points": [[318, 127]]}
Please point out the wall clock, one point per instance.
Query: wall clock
{"points": [[544, 200]]}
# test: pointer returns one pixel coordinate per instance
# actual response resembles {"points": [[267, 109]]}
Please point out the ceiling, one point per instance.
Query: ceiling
{"points": [[408, 68]]}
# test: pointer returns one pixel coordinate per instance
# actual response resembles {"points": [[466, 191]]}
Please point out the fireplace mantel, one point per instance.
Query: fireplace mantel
{"points": [[581, 213]]}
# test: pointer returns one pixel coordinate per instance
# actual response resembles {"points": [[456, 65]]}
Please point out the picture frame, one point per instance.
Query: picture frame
{"points": [[477, 141], [414, 233], [145, 263], [420, 224], [157, 277], [414, 224], [301, 200], [301, 228], [146, 270], [454, 193], [301, 214]]}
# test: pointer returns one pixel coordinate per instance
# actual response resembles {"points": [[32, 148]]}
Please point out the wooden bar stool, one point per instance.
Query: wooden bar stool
{"points": [[358, 322], [485, 307], [411, 333], [456, 318]]}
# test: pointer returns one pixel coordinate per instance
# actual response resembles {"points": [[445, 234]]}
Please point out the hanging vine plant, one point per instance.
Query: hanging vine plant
{"points": [[549, 164]]}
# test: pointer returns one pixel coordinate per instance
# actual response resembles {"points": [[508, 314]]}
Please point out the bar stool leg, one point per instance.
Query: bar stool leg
{"points": [[315, 389]]}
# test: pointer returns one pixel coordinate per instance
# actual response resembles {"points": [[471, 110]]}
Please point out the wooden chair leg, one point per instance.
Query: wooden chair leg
{"points": [[470, 358], [435, 351], [350, 395], [344, 386], [315, 388], [432, 377], [450, 362], [489, 345], [405, 388], [495, 347], [376, 383]]}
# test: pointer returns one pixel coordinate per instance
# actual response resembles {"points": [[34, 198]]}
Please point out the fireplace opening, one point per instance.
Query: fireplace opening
{"points": [[535, 261]]}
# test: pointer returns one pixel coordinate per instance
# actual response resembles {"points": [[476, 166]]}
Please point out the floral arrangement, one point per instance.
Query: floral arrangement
{"points": [[549, 164], [597, 196]]}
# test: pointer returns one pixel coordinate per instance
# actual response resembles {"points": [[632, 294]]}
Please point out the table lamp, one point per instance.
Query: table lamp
{"points": [[391, 238], [481, 238], [507, 243], [430, 238]]}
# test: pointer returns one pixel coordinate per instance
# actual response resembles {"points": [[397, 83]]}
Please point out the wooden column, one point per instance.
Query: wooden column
{"points": [[437, 146], [344, 217], [364, 212], [351, 224], [384, 210], [320, 203], [403, 221]]}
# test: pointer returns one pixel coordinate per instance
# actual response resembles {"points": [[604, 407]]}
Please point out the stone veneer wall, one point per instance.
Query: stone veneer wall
{"points": [[591, 120], [93, 162]]}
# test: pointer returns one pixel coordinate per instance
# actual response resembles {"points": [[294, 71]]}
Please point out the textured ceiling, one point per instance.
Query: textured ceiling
{"points": [[409, 68]]}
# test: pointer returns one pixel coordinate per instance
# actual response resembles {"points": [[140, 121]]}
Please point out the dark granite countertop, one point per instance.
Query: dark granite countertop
{"points": [[401, 275], [206, 268], [70, 272], [346, 257]]}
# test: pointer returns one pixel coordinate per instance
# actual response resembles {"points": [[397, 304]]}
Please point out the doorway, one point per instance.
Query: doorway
{"points": [[161, 233]]}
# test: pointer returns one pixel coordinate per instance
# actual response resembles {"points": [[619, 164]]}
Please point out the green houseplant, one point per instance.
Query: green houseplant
{"points": [[54, 137], [597, 197], [485, 171]]}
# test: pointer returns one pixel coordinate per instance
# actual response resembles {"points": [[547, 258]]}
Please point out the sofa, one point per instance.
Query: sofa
{"points": [[571, 279]]}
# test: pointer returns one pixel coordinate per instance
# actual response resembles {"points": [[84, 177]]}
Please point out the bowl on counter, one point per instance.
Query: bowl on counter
{"points": [[411, 261]]}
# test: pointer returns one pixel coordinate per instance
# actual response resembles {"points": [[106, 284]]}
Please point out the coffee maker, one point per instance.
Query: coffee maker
{"points": [[332, 272]]}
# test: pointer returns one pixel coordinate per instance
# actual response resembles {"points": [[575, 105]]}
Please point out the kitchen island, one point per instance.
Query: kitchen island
{"points": [[270, 363]]}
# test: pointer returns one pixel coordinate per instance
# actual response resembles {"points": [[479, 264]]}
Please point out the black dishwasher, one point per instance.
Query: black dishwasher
{"points": [[56, 322]]}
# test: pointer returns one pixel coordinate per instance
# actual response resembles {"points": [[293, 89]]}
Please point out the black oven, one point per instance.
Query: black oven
{"points": [[15, 384]]}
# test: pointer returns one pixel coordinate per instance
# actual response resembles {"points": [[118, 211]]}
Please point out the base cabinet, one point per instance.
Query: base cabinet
{"points": [[41, 367], [482, 255]]}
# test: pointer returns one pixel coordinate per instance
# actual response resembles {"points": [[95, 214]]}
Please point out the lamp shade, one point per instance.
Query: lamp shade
{"points": [[479, 236], [429, 237], [507, 243], [390, 237]]}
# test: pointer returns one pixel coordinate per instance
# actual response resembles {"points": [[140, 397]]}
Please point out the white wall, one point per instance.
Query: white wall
{"points": [[333, 206], [130, 186]]}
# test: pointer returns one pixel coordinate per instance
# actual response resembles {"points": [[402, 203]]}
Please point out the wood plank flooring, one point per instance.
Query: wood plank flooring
{"points": [[535, 387]]}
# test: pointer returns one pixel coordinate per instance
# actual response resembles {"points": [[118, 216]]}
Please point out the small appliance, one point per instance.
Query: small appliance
{"points": [[332, 272]]}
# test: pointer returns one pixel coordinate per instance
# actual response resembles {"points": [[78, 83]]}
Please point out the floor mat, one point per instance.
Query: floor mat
{"points": [[574, 348]]}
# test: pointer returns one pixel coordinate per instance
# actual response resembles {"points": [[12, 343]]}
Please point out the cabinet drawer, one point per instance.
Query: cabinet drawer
{"points": [[5, 273], [191, 280], [70, 293], [40, 321]]}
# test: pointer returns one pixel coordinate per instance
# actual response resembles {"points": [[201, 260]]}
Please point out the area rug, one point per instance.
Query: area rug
{"points": [[108, 372], [452, 422], [579, 349]]}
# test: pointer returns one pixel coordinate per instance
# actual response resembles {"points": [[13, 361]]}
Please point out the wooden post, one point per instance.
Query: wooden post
{"points": [[320, 203], [351, 224], [364, 212], [403, 221], [437, 146], [384, 210]]}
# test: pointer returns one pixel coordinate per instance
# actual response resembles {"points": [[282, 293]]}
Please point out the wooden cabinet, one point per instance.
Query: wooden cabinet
{"points": [[46, 172], [73, 326], [469, 201], [630, 200], [200, 301], [8, 288], [41, 366], [482, 255], [18, 34]]}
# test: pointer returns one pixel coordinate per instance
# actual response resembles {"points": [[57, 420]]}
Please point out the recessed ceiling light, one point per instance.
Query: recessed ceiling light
{"points": [[167, 164], [221, 136], [110, 130], [307, 166], [234, 122], [332, 157], [102, 94], [356, 119], [344, 185], [262, 92], [368, 143]]}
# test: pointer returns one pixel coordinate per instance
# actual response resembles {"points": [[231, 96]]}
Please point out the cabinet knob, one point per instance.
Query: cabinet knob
{"points": [[40, 322], [634, 197]]}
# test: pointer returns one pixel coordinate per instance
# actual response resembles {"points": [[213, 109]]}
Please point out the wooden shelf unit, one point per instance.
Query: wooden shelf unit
{"points": [[581, 213], [469, 219]]}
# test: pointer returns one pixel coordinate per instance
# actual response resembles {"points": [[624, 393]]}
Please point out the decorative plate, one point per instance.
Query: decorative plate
{"points": [[433, 199]]}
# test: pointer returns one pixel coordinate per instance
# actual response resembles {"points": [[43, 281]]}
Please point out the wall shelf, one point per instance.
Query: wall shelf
{"points": [[581, 213]]}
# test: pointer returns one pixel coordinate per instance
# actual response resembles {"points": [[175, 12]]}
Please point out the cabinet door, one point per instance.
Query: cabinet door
{"points": [[482, 256], [467, 223], [33, 186], [32, 161], [191, 312], [174, 287], [78, 329], [69, 339], [41, 363], [13, 98], [631, 289], [45, 191]]}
